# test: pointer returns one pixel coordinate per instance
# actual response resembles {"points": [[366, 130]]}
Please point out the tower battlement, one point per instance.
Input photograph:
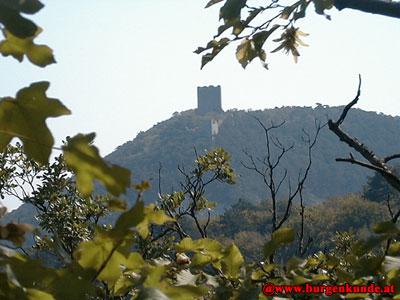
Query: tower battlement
{"points": [[209, 99]]}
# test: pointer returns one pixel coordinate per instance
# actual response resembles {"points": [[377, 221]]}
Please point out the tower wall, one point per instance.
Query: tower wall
{"points": [[209, 99]]}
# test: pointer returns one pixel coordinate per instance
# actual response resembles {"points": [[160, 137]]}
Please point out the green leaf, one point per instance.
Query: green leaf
{"points": [[130, 219], [283, 236], [209, 246], [25, 117], [151, 216], [232, 261], [139, 217], [212, 2], [295, 263], [386, 227], [116, 204], [252, 15], [231, 10], [280, 238], [25, 6], [392, 276], [260, 37], [14, 22], [361, 247], [394, 249], [200, 260], [32, 294], [321, 5], [216, 47], [104, 255], [321, 277], [154, 276], [39, 55], [85, 161], [143, 186], [256, 275], [301, 13], [343, 276], [134, 261], [299, 280], [288, 10]]}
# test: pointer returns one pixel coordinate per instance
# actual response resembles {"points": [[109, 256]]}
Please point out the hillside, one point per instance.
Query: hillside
{"points": [[172, 143]]}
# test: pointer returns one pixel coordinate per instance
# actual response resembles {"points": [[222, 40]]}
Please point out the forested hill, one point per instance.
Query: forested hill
{"points": [[172, 142]]}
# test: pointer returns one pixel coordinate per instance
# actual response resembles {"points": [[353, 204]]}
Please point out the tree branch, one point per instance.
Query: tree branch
{"points": [[384, 8], [394, 156], [351, 104]]}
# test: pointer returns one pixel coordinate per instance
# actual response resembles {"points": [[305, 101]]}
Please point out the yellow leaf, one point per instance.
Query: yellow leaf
{"points": [[84, 159], [39, 55], [25, 117]]}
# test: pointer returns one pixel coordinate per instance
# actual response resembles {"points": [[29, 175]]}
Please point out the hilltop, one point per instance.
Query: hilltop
{"points": [[172, 142]]}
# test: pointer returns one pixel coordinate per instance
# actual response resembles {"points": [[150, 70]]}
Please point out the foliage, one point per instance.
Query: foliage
{"points": [[61, 210], [247, 225], [257, 25], [213, 166]]}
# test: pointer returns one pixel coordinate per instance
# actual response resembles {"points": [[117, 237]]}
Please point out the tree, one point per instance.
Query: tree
{"points": [[62, 212], [211, 167], [268, 168], [253, 26]]}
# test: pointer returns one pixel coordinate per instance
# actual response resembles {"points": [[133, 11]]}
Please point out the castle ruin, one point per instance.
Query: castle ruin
{"points": [[209, 99]]}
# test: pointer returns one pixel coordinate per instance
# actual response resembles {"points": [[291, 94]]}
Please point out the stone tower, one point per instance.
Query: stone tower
{"points": [[209, 99]]}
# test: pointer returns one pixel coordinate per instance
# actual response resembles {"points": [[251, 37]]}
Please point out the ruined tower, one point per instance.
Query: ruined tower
{"points": [[209, 99]]}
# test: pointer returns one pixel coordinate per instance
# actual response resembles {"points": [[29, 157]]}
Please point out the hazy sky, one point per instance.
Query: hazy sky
{"points": [[122, 66]]}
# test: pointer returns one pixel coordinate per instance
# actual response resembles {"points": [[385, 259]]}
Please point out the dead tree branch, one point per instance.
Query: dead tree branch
{"points": [[375, 163]]}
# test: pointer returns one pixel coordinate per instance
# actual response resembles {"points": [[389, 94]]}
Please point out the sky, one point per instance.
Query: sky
{"points": [[123, 66]]}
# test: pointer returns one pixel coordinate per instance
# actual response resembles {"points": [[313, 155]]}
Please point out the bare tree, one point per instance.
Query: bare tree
{"points": [[269, 167]]}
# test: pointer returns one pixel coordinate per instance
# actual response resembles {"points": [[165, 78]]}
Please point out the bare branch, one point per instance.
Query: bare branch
{"points": [[394, 156], [352, 160], [351, 104], [375, 163], [389, 206]]}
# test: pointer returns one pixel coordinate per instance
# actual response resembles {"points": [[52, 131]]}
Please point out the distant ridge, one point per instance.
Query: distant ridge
{"points": [[171, 143]]}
